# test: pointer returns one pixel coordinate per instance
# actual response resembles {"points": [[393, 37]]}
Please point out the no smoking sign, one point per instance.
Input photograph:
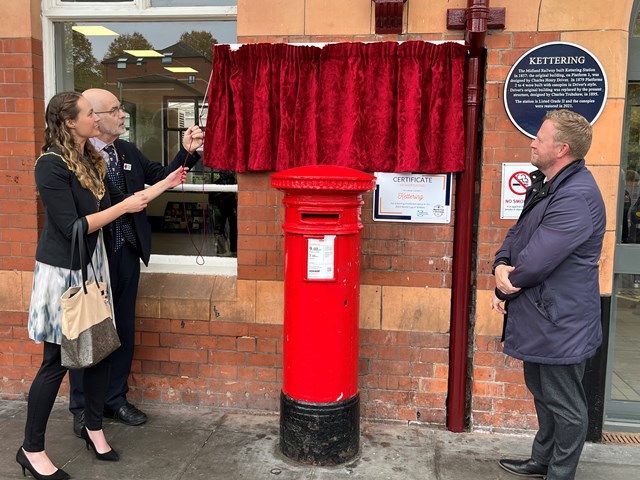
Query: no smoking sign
{"points": [[516, 178], [519, 182]]}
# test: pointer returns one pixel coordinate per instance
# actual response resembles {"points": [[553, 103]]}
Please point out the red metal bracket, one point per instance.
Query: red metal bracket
{"points": [[389, 16], [457, 18]]}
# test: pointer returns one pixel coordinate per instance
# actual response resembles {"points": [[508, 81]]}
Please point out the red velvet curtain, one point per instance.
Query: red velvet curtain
{"points": [[383, 107]]}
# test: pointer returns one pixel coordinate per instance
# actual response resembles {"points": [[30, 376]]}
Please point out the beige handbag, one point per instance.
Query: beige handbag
{"points": [[88, 332]]}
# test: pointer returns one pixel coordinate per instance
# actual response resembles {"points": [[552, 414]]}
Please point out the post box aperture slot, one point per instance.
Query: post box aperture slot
{"points": [[320, 218]]}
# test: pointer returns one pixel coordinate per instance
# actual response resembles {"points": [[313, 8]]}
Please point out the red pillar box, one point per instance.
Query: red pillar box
{"points": [[319, 403]]}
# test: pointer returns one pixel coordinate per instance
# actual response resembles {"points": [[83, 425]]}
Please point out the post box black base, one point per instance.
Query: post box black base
{"points": [[320, 433]]}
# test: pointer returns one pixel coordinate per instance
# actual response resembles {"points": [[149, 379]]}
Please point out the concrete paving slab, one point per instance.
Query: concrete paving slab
{"points": [[146, 453], [180, 417], [198, 443], [240, 448]]}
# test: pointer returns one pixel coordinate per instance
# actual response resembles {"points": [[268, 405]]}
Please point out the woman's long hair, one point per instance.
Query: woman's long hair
{"points": [[88, 166]]}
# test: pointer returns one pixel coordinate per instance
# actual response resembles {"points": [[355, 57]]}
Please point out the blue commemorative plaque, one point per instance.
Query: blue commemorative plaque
{"points": [[550, 77]]}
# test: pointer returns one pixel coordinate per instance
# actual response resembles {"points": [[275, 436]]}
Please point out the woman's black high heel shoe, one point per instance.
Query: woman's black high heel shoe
{"points": [[110, 456], [24, 462]]}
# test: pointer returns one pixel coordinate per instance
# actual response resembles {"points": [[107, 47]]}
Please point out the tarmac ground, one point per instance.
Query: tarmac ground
{"points": [[198, 443]]}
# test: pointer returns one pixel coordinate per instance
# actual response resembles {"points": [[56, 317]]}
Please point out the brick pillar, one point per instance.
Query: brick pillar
{"points": [[21, 129], [21, 134]]}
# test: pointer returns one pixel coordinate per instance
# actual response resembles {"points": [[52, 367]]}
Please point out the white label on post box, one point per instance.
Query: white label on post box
{"points": [[320, 257]]}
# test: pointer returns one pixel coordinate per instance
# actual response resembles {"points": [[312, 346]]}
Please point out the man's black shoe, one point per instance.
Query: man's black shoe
{"points": [[524, 468], [127, 414], [78, 423]]}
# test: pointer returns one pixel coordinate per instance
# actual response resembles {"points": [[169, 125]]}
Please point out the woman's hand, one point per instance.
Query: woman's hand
{"points": [[131, 204], [176, 177], [135, 203]]}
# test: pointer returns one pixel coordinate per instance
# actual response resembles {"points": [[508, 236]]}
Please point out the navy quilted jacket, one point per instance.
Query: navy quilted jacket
{"points": [[555, 247]]}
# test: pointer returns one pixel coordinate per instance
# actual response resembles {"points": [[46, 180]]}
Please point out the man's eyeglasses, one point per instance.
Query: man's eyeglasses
{"points": [[114, 111]]}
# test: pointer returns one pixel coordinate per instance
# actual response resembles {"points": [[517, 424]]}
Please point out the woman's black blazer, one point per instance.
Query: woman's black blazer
{"points": [[65, 200]]}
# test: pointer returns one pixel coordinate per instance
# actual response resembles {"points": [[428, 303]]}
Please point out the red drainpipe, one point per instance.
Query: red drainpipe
{"points": [[475, 32]]}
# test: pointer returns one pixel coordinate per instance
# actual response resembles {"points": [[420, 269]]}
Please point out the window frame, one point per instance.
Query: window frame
{"points": [[55, 11]]}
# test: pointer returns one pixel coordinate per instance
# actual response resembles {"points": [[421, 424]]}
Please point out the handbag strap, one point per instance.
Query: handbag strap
{"points": [[78, 238]]}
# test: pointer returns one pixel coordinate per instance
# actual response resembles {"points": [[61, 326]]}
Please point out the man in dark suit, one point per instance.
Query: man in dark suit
{"points": [[130, 170]]}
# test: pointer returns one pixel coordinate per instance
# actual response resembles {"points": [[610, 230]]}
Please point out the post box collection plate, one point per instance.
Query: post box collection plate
{"points": [[321, 258]]}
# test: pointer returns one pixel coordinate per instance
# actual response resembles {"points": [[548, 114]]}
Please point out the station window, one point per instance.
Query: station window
{"points": [[159, 68]]}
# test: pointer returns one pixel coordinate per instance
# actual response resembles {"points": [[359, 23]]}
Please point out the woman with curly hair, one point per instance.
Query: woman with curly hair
{"points": [[71, 180]]}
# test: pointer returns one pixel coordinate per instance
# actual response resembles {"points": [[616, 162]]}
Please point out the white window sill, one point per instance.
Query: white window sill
{"points": [[191, 265]]}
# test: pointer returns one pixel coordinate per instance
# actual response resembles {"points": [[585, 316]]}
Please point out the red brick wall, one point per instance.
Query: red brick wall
{"points": [[239, 365], [21, 129], [500, 400], [501, 142], [234, 365], [499, 397], [19, 356], [403, 375], [260, 237], [21, 132], [393, 254]]}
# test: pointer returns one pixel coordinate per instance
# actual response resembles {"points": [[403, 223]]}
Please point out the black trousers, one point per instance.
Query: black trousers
{"points": [[561, 407], [227, 203], [124, 270], [44, 390], [228, 212]]}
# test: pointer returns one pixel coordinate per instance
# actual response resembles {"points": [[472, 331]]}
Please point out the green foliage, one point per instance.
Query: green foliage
{"points": [[127, 41], [87, 71], [201, 41]]}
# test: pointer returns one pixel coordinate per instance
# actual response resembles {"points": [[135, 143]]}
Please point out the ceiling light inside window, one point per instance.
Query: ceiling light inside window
{"points": [[93, 30], [144, 53], [181, 69]]}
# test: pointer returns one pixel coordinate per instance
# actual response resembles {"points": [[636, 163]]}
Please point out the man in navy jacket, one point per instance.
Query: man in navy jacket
{"points": [[546, 272], [130, 170]]}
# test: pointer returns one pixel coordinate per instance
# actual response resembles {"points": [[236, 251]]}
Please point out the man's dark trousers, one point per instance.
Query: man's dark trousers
{"points": [[561, 406], [124, 269]]}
